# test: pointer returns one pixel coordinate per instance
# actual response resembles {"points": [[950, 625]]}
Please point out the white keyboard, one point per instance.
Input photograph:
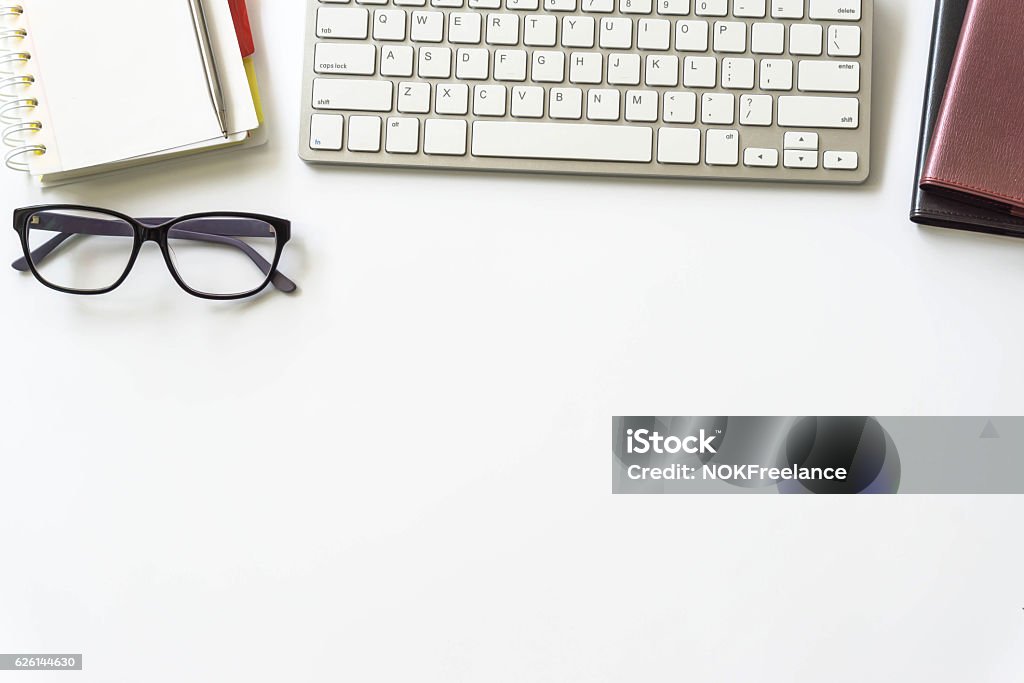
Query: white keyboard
{"points": [[739, 89]]}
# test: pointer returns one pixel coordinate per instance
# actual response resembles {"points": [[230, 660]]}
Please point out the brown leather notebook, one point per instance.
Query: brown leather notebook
{"points": [[977, 148]]}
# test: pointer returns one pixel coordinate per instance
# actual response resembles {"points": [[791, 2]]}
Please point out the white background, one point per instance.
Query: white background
{"points": [[403, 473]]}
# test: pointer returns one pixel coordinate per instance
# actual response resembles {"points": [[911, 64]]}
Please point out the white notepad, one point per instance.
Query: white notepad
{"points": [[126, 84]]}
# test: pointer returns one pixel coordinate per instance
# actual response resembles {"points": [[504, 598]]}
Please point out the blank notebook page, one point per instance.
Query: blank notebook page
{"points": [[117, 79]]}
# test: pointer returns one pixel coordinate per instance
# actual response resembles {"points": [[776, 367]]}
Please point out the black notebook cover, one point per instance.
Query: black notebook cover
{"points": [[930, 208]]}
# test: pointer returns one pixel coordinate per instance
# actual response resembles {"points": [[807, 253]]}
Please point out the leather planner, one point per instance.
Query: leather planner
{"points": [[976, 153], [930, 208]]}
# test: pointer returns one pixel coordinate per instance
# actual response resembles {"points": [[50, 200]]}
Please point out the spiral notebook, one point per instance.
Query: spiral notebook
{"points": [[93, 88]]}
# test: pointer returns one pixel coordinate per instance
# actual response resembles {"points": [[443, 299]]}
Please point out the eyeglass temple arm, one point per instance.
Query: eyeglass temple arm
{"points": [[241, 228], [44, 250]]}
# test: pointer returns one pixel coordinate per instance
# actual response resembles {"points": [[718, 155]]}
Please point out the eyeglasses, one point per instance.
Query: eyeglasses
{"points": [[84, 250]]}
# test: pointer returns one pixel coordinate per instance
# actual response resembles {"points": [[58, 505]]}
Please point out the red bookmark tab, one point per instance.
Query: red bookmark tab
{"points": [[242, 27]]}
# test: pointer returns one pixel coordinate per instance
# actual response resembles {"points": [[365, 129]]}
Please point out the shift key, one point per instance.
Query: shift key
{"points": [[819, 112], [352, 94]]}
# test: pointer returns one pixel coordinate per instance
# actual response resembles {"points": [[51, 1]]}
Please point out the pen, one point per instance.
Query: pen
{"points": [[210, 63]]}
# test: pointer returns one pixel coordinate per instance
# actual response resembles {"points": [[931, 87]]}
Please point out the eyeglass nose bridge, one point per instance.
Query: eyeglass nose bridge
{"points": [[150, 234]]}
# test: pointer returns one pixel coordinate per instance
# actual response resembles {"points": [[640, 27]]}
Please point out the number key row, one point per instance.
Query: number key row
{"points": [[826, 10]]}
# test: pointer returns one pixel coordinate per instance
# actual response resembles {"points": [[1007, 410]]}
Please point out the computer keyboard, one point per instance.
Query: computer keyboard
{"points": [[735, 89]]}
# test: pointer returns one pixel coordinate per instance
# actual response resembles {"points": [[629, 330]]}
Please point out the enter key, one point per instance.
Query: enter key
{"points": [[829, 76]]}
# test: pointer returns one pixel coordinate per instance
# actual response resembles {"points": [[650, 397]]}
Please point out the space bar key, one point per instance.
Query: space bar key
{"points": [[580, 142]]}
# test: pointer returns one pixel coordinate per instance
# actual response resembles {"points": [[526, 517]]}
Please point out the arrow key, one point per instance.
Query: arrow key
{"points": [[802, 141], [841, 161], [758, 157], [795, 158]]}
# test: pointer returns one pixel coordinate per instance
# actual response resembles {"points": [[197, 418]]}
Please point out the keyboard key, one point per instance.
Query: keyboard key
{"points": [[829, 76], [603, 105], [539, 30], [819, 112], [680, 107], [756, 110], [502, 29], [616, 33], [787, 9], [345, 58], [445, 3], [752, 9], [548, 66], [723, 148], [472, 64], [653, 34], [325, 131], [700, 72], [841, 161], [761, 158], [578, 31], [427, 27], [364, 133], [489, 100], [396, 60], [838, 10], [566, 103], [691, 36], [794, 158], [342, 22], [585, 67], [413, 98], [451, 98], [803, 141], [389, 24], [678, 146], [352, 94], [673, 7], [403, 136], [843, 41], [718, 109], [738, 73], [776, 74], [510, 65], [528, 102], [730, 36], [523, 5], [623, 69], [435, 62], [805, 39], [711, 8], [641, 105], [598, 5], [768, 39], [464, 28], [662, 71], [635, 6], [445, 137], [580, 142], [560, 5]]}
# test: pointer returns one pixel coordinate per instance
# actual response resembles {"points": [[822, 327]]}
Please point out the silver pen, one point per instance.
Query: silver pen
{"points": [[210, 64]]}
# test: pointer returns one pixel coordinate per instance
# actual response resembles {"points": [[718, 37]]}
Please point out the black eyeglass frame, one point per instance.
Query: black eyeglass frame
{"points": [[157, 230]]}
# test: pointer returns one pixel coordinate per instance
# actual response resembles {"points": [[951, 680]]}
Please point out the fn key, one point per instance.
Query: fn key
{"points": [[325, 131]]}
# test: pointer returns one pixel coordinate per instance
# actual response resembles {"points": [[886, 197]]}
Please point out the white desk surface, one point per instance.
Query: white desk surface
{"points": [[403, 473]]}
